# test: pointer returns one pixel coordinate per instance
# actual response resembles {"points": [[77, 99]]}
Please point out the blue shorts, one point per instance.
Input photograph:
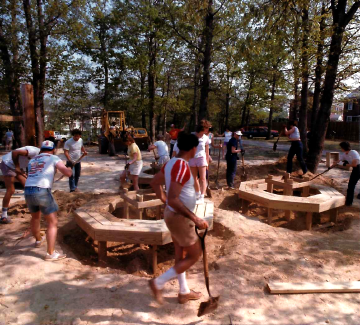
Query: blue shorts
{"points": [[40, 199]]}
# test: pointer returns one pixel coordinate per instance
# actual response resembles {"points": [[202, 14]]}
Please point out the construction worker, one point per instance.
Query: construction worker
{"points": [[179, 217], [173, 136], [13, 167], [232, 158]]}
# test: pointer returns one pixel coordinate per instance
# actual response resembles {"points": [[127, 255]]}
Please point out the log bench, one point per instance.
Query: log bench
{"points": [[104, 227]]}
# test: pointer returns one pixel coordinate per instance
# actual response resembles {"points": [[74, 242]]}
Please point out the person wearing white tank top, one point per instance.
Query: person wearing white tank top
{"points": [[228, 135], [179, 217], [296, 147]]}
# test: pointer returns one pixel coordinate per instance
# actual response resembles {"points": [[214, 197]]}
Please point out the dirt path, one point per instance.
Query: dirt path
{"points": [[245, 254]]}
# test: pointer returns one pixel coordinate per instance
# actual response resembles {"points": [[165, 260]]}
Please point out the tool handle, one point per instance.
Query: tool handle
{"points": [[217, 173], [205, 262], [242, 160]]}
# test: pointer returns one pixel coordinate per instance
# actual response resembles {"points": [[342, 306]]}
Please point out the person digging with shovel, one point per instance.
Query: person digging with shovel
{"points": [[179, 217], [232, 158]]}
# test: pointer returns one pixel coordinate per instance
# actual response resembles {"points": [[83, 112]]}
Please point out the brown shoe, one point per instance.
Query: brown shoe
{"points": [[156, 292], [193, 295]]}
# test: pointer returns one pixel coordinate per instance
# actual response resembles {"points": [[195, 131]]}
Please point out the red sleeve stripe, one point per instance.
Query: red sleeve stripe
{"points": [[180, 172], [184, 172]]}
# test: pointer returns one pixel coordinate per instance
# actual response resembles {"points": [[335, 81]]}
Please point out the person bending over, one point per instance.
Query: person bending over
{"points": [[162, 149], [39, 199], [179, 217], [13, 167]]}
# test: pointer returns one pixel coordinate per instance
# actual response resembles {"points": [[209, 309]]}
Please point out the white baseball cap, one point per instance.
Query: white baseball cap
{"points": [[238, 133], [47, 145]]}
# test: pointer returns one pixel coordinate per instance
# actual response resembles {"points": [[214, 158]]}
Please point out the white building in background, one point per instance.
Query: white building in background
{"points": [[337, 112]]}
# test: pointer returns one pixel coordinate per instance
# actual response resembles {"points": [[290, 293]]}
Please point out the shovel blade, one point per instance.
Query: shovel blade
{"points": [[209, 306]]}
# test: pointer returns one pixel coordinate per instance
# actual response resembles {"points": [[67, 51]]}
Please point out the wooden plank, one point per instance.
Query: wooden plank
{"points": [[319, 287], [139, 212], [288, 191], [305, 191], [98, 217], [10, 118], [85, 226], [129, 236], [149, 204], [200, 211], [209, 210], [158, 213]]}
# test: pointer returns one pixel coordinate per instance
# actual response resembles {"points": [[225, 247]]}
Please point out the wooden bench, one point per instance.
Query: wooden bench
{"points": [[261, 192], [104, 227]]}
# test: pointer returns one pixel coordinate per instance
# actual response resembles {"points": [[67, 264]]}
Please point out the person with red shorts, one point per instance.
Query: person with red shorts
{"points": [[179, 217], [173, 137]]}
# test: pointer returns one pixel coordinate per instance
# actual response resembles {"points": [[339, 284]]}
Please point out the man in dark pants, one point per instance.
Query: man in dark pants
{"points": [[350, 158], [231, 158]]}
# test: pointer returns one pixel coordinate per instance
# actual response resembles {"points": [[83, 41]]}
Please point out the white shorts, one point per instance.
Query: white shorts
{"points": [[135, 168], [163, 159], [198, 162]]}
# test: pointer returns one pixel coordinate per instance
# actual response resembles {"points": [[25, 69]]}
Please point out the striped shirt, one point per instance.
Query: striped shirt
{"points": [[178, 170]]}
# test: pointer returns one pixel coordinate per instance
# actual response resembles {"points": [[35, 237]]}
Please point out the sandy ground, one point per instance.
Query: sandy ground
{"points": [[244, 255]]}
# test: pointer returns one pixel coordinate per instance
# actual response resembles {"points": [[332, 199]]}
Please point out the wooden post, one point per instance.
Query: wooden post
{"points": [[308, 220], [245, 206], [334, 215], [139, 212], [305, 191], [288, 190], [269, 215], [158, 212], [286, 177], [102, 251], [154, 258], [27, 98], [270, 187], [126, 205]]}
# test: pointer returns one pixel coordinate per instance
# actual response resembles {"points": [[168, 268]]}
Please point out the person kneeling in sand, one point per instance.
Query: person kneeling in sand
{"points": [[179, 217], [39, 199]]}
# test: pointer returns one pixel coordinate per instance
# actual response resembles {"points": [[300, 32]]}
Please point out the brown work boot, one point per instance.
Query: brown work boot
{"points": [[156, 292], [193, 295]]}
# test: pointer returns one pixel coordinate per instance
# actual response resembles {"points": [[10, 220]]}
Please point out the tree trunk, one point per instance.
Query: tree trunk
{"points": [[142, 96], [293, 114], [105, 65], [166, 105], [319, 69], [340, 21], [207, 37], [151, 85], [246, 103], [194, 114], [304, 77], [11, 80], [272, 99]]}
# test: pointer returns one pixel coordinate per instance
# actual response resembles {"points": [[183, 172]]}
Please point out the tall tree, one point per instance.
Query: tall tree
{"points": [[341, 18]]}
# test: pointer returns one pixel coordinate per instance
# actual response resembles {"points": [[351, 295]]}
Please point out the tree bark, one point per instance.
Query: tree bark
{"points": [[272, 99], [304, 77], [246, 103], [166, 105], [207, 40], [295, 109], [151, 84], [11, 79], [340, 20], [142, 98], [194, 114], [319, 69]]}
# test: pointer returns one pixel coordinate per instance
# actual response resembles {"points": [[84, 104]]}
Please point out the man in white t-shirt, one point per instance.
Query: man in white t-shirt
{"points": [[13, 166], [73, 150], [350, 158], [39, 199], [179, 217], [162, 149]]}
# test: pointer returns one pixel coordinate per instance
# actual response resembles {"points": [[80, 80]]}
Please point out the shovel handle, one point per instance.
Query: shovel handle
{"points": [[205, 262]]}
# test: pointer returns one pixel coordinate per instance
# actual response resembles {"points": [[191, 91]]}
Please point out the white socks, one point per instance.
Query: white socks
{"points": [[198, 195], [184, 289], [4, 213], [165, 277]]}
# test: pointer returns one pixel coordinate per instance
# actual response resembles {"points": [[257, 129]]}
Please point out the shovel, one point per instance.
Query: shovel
{"points": [[62, 176], [243, 175], [275, 144], [217, 173], [210, 305], [321, 173]]}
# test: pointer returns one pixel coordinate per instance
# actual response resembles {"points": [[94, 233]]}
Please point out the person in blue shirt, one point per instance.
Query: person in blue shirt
{"points": [[232, 157]]}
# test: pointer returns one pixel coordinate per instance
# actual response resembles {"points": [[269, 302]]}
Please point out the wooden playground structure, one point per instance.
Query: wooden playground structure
{"points": [[104, 227], [314, 198]]}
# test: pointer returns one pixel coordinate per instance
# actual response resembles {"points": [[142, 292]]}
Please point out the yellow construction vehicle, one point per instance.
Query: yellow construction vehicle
{"points": [[113, 128]]}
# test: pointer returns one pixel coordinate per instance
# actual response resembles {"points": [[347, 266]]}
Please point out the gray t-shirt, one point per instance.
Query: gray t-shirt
{"points": [[74, 148], [9, 135], [23, 160]]}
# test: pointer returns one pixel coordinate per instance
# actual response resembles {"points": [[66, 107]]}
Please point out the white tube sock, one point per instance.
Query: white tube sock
{"points": [[184, 289], [165, 277], [4, 213]]}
